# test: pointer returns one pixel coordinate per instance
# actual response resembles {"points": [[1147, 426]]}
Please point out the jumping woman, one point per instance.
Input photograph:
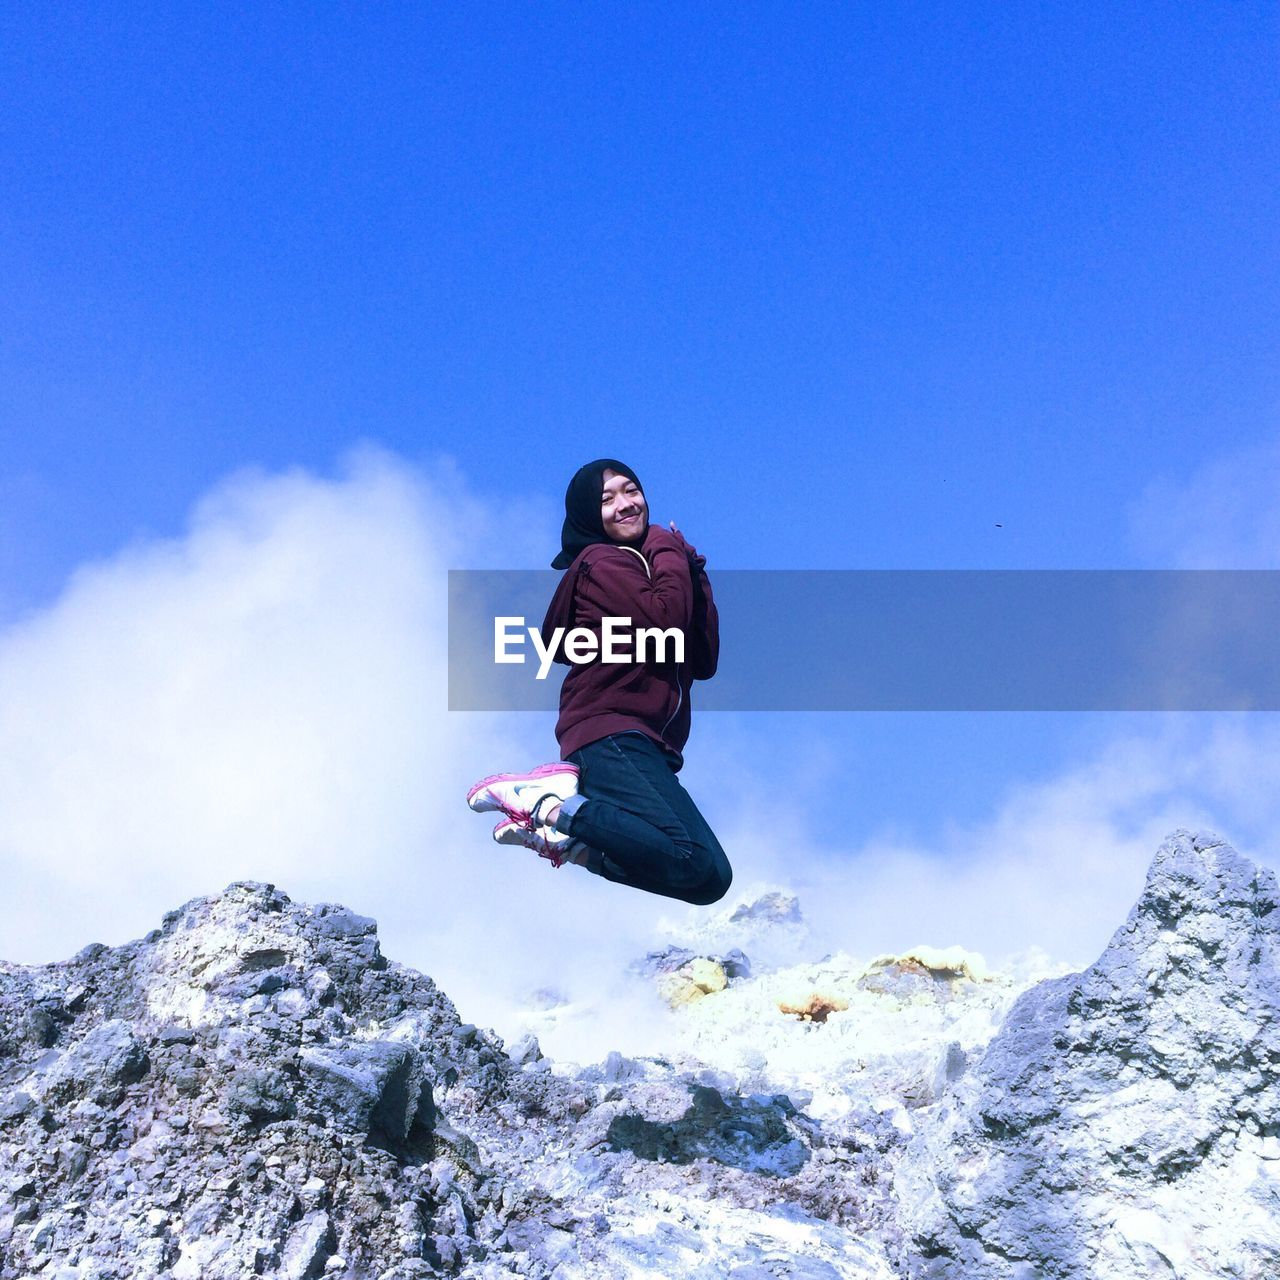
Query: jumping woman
{"points": [[613, 803]]}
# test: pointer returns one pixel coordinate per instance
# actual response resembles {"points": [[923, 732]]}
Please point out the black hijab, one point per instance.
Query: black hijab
{"points": [[582, 522]]}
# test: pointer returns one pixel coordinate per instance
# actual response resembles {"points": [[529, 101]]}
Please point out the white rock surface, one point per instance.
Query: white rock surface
{"points": [[1119, 1122], [252, 1089]]}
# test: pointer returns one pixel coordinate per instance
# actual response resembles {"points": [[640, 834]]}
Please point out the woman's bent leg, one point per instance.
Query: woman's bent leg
{"points": [[644, 825]]}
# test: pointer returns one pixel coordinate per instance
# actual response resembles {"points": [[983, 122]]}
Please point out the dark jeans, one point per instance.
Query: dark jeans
{"points": [[640, 825]]}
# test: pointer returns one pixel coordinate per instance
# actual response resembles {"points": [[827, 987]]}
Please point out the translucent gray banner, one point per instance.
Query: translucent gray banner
{"points": [[925, 640]]}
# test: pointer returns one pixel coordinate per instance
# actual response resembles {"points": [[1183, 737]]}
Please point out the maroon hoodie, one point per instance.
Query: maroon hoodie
{"points": [[661, 584]]}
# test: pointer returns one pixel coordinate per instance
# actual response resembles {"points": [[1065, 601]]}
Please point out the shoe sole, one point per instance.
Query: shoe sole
{"points": [[552, 853], [507, 827], [489, 805]]}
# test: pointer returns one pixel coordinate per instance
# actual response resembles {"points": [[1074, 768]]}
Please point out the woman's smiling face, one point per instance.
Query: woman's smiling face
{"points": [[623, 510]]}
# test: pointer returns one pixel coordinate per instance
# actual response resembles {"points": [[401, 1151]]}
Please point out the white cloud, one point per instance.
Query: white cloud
{"points": [[1056, 865], [1224, 515], [265, 698]]}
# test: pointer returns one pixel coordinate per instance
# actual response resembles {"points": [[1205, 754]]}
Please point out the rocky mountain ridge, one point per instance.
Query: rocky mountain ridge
{"points": [[254, 1089]]}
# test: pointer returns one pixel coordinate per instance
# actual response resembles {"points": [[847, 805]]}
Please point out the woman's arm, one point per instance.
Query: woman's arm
{"points": [[704, 634], [615, 584], [704, 638]]}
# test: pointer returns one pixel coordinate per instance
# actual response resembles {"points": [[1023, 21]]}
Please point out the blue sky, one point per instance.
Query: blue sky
{"points": [[849, 289], [908, 286]]}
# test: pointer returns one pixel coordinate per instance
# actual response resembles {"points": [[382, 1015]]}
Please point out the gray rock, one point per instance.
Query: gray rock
{"points": [[1129, 1084], [753, 1134], [775, 907], [1123, 1122], [670, 959], [308, 1247], [617, 1067], [372, 1086], [526, 1050], [259, 1095], [101, 1065], [15, 1106], [334, 921]]}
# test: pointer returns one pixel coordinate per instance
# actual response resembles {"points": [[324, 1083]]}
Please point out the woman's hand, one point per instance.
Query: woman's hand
{"points": [[697, 559], [658, 534], [669, 531]]}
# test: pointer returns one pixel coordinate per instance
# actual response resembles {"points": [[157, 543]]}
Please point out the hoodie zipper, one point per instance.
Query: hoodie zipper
{"points": [[679, 700], [679, 686]]}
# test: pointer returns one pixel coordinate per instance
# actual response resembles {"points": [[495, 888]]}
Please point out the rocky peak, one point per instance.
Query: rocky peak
{"points": [[1196, 957], [773, 907], [1124, 1120], [253, 1089], [243, 1091]]}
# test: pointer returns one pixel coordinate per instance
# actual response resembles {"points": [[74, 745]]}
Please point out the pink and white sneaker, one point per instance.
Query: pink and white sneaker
{"points": [[516, 794], [546, 841]]}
